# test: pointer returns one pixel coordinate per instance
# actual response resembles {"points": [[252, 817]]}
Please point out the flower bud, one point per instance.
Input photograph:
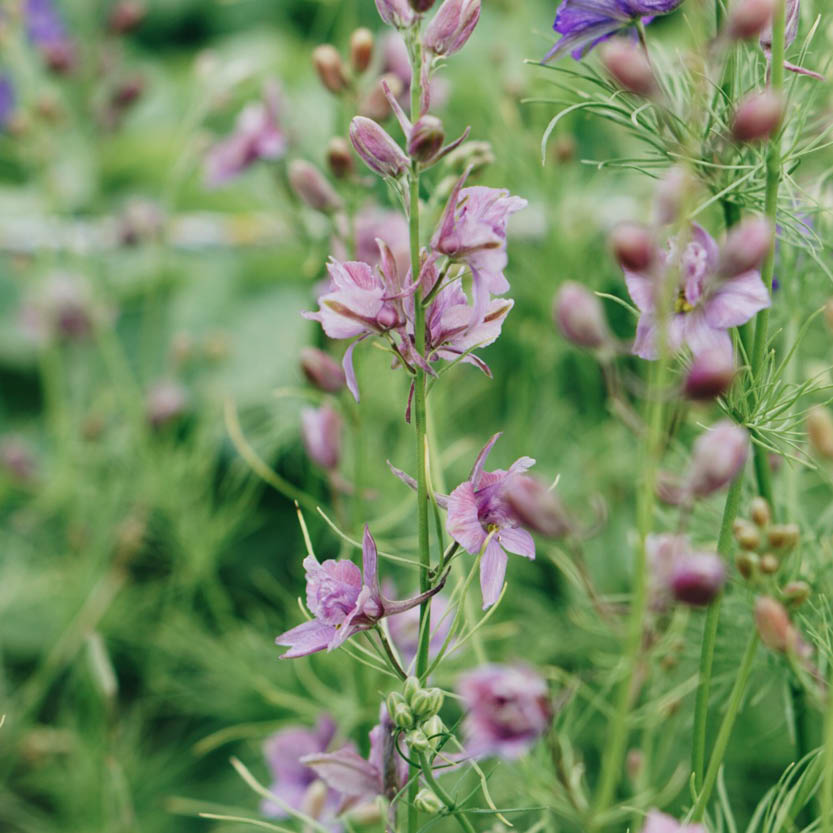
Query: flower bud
{"points": [[758, 116], [375, 105], [426, 139], [536, 506], [421, 6], [769, 563], [820, 431], [633, 246], [672, 193], [434, 729], [339, 158], [361, 50], [428, 801], [748, 18], [411, 687], [311, 187], [783, 536], [166, 402], [711, 374], [125, 16], [773, 623], [579, 316], [330, 69], [402, 716], [378, 150], [418, 741], [760, 512], [718, 458], [452, 26], [746, 247], [747, 564], [746, 534], [321, 370], [796, 593], [396, 13], [629, 67], [321, 433], [426, 702], [697, 578]]}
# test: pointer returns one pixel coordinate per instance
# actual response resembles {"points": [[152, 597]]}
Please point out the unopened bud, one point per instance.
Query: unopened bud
{"points": [[758, 116], [746, 247], [748, 18], [396, 13], [311, 187], [629, 66], [773, 623], [747, 564], [340, 158], [536, 506], [125, 16], [361, 49], [633, 246], [718, 457], [783, 536], [746, 534], [452, 26], [426, 702], [672, 193], [378, 150], [697, 578], [426, 139], [402, 716], [411, 687], [579, 315], [418, 741], [428, 801], [321, 433], [434, 729], [795, 593], [330, 69], [769, 563], [60, 56], [760, 512], [421, 6], [820, 431], [711, 374], [321, 370]]}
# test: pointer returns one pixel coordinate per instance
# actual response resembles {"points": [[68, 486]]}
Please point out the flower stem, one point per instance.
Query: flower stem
{"points": [[618, 732], [446, 799], [827, 766], [725, 732], [701, 707]]}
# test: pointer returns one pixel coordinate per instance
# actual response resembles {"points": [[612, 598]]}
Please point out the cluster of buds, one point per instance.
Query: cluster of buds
{"points": [[763, 544], [416, 712]]}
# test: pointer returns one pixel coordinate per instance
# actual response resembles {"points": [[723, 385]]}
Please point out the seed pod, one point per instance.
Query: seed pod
{"points": [[315, 799], [633, 246], [760, 512], [378, 150], [579, 315], [748, 18], [783, 536], [629, 67], [820, 431], [769, 563], [330, 69], [747, 534], [434, 730], [311, 187], [711, 374], [746, 247], [758, 116], [361, 50]]}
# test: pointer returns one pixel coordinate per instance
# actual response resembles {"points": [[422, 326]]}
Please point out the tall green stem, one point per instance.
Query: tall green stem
{"points": [[618, 733], [827, 766], [441, 793]]}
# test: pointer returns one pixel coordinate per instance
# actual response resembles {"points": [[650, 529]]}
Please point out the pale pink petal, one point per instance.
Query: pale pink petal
{"points": [[492, 572], [477, 470], [463, 524], [645, 344], [306, 639], [349, 372], [369, 561], [701, 336], [346, 772], [641, 289], [737, 300], [518, 541]]}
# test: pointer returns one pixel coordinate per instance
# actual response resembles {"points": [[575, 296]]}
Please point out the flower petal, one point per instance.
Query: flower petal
{"points": [[477, 469], [641, 289], [349, 372], [701, 336], [736, 300], [492, 572], [345, 771], [306, 639], [518, 541], [462, 523]]}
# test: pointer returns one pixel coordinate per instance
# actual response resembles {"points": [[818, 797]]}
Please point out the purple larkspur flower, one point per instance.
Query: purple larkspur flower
{"points": [[479, 515], [584, 23], [472, 230], [292, 780], [321, 433], [361, 301], [656, 822], [257, 135], [7, 101], [361, 780], [344, 602], [508, 709], [706, 305]]}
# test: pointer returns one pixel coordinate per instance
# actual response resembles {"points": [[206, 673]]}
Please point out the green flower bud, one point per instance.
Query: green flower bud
{"points": [[426, 702], [399, 712], [434, 730], [411, 687], [428, 801], [418, 741]]}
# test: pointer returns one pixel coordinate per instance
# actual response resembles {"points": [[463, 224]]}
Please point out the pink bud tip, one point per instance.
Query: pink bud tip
{"points": [[629, 66], [746, 247], [697, 578], [758, 116], [579, 316], [711, 374], [748, 18], [633, 246]]}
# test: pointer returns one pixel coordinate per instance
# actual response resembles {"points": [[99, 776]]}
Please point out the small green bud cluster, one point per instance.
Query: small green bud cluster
{"points": [[416, 712], [763, 543]]}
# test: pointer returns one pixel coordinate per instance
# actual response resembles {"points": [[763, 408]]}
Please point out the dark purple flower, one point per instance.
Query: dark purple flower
{"points": [[705, 305], [257, 135], [479, 515], [343, 602], [584, 23], [657, 822], [7, 101], [360, 781], [292, 781], [321, 432], [508, 709], [472, 230]]}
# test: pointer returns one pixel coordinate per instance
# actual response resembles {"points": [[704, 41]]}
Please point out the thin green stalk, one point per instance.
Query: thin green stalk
{"points": [[735, 700], [827, 767], [446, 799], [701, 706], [614, 753]]}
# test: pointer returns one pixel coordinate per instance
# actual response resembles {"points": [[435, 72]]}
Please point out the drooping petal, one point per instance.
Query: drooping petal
{"points": [[462, 523], [345, 771], [306, 639], [349, 372], [492, 572], [737, 300], [518, 541], [477, 469]]}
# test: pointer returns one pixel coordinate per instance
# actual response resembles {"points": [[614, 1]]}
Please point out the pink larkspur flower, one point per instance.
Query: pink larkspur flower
{"points": [[478, 512], [344, 602], [508, 709], [705, 307]]}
